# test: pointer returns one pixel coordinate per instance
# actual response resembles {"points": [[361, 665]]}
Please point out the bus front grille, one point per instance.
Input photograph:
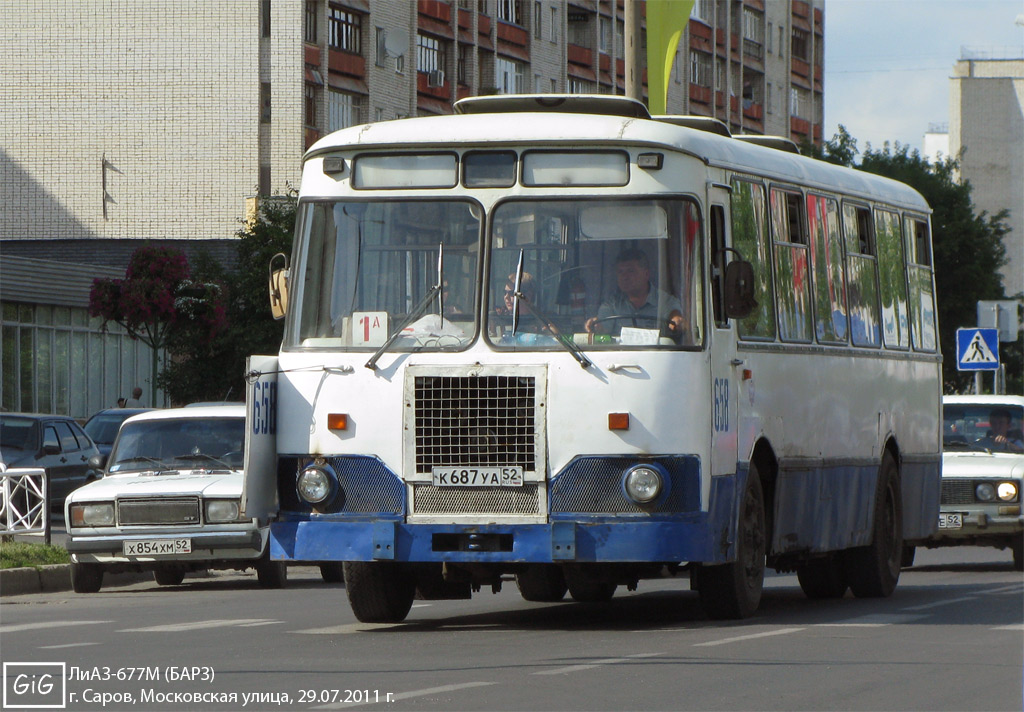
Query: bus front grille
{"points": [[511, 501], [475, 420]]}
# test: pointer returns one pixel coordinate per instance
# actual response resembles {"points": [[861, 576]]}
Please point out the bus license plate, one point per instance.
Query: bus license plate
{"points": [[157, 547], [478, 476], [951, 521]]}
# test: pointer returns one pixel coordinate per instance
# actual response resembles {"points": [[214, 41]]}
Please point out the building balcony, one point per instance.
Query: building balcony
{"points": [[580, 55], [437, 9], [513, 34], [443, 92], [699, 94], [311, 54], [346, 63], [800, 67], [753, 110], [799, 126]]}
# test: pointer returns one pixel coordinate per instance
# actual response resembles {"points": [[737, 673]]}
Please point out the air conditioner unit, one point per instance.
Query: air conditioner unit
{"points": [[435, 78]]}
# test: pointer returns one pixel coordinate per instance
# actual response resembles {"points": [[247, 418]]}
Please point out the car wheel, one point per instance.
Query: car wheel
{"points": [[271, 574], [907, 558], [332, 572], [86, 578], [168, 577]]}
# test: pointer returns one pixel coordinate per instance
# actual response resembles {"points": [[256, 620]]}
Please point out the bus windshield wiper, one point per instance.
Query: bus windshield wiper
{"points": [[518, 296], [417, 311]]}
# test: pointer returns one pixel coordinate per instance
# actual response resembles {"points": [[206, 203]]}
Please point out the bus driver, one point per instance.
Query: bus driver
{"points": [[637, 303]]}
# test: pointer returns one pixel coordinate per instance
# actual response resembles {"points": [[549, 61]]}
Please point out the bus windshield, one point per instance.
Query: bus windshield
{"points": [[603, 273], [368, 264]]}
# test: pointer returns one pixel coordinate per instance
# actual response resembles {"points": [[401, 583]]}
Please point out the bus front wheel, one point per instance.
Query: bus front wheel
{"points": [[733, 590], [542, 582], [379, 591], [874, 570]]}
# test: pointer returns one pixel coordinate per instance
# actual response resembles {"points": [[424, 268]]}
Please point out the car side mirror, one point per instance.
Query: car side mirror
{"points": [[51, 449], [98, 462], [279, 287], [739, 289]]}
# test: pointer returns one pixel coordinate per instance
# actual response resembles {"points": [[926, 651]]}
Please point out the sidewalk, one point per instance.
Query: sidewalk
{"points": [[55, 577]]}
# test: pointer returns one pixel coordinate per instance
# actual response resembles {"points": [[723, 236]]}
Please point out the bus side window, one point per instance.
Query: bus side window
{"points": [[827, 262], [919, 276], [892, 279], [862, 281], [750, 237], [718, 262], [792, 277]]}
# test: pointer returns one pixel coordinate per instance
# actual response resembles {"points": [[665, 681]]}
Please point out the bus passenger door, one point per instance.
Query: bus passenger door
{"points": [[725, 366]]}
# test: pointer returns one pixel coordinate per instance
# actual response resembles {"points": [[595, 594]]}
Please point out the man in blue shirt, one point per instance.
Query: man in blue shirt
{"points": [[637, 303]]}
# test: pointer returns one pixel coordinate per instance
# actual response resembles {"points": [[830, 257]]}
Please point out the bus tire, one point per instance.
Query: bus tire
{"points": [[86, 578], [379, 591], [332, 572], [823, 578], [168, 577], [733, 590], [591, 591], [542, 583], [1018, 554], [907, 557], [874, 570]]}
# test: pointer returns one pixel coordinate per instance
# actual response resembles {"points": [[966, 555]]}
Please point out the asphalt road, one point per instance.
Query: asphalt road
{"points": [[950, 638]]}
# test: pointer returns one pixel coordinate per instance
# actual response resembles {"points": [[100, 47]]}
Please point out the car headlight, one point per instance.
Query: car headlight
{"points": [[1007, 491], [643, 483], [315, 484], [985, 492], [92, 515], [222, 510]]}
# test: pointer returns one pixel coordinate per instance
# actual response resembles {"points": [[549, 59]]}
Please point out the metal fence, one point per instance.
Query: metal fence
{"points": [[24, 507]]}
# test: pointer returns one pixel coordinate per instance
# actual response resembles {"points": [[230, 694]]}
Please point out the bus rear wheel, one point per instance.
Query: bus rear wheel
{"points": [[379, 591], [874, 570], [543, 583], [733, 590], [823, 578]]}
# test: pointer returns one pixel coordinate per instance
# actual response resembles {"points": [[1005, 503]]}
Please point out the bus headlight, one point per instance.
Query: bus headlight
{"points": [[1007, 491], [315, 484], [644, 484], [985, 492]]}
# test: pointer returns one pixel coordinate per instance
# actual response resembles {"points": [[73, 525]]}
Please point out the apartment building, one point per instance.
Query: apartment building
{"points": [[126, 121]]}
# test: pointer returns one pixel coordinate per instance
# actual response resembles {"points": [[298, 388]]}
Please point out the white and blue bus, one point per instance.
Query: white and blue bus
{"points": [[556, 338]]}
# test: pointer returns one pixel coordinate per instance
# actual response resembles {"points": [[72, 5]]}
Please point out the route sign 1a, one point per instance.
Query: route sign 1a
{"points": [[977, 349]]}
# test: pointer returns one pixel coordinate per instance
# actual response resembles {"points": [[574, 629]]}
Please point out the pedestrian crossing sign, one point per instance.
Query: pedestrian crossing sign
{"points": [[977, 349]]}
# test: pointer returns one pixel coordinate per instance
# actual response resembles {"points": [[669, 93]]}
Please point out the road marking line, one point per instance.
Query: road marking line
{"points": [[395, 697], [258, 624], [937, 604], [198, 625], [874, 620], [1016, 588], [596, 663], [723, 641], [46, 624], [66, 645], [348, 628], [1015, 626]]}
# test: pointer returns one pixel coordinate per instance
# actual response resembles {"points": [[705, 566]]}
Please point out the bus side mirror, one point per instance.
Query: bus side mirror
{"points": [[279, 287], [739, 289]]}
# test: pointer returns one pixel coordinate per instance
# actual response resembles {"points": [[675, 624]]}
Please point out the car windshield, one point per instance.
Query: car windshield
{"points": [[981, 427], [179, 444], [103, 427], [18, 433]]}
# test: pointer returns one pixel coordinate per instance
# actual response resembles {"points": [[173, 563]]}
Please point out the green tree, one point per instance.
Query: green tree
{"points": [[213, 369], [967, 246], [159, 299]]}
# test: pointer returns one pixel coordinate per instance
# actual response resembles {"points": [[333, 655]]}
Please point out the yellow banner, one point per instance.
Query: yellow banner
{"points": [[666, 20]]}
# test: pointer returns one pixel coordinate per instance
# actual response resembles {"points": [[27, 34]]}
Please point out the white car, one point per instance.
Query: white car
{"points": [[982, 474], [169, 502]]}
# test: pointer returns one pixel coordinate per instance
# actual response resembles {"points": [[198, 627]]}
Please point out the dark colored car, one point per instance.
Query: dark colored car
{"points": [[102, 427], [55, 443]]}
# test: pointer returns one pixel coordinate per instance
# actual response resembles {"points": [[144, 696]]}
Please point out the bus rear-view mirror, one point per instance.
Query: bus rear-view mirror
{"points": [[279, 287]]}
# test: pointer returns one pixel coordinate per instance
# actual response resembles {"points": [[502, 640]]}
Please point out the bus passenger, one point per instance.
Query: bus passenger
{"points": [[528, 288], [637, 303]]}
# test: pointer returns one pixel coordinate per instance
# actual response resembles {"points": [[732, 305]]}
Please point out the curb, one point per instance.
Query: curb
{"points": [[54, 577]]}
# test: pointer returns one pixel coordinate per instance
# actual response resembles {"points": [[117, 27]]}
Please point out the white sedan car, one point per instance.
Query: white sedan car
{"points": [[982, 474], [169, 502]]}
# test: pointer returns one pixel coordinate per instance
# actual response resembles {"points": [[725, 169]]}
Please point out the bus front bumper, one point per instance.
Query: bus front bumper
{"points": [[693, 538]]}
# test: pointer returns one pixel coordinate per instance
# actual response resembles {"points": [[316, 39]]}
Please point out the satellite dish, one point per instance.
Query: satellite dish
{"points": [[396, 42]]}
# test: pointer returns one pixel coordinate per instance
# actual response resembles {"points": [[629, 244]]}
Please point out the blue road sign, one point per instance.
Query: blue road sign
{"points": [[977, 349]]}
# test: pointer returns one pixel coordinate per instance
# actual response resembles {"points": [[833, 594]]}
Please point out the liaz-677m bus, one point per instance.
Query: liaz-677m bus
{"points": [[558, 339]]}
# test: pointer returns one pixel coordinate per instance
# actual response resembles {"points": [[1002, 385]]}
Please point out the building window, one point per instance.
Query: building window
{"points": [[343, 29], [380, 50], [264, 102], [580, 86], [554, 86], [782, 42], [538, 12], [511, 11], [310, 102], [768, 100], [605, 34], [343, 110], [768, 38], [430, 53], [264, 18], [798, 103], [508, 76], [580, 29], [799, 49], [703, 10], [538, 84], [400, 64], [379, 114], [310, 28], [753, 33], [700, 69], [553, 27], [462, 64]]}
